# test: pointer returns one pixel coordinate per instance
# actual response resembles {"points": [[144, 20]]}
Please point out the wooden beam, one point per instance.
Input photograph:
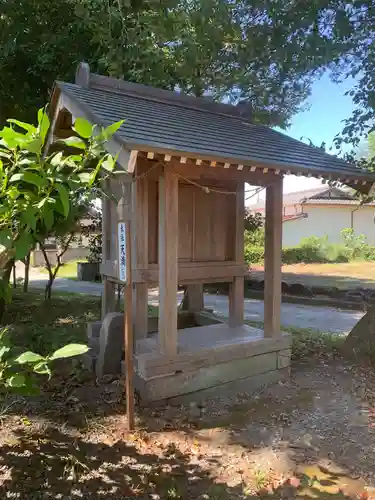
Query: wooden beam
{"points": [[192, 171], [236, 288], [272, 259], [140, 232], [194, 273], [132, 161], [52, 128], [168, 265]]}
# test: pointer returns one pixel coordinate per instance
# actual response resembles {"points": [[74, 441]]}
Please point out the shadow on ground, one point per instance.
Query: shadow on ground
{"points": [[53, 464]]}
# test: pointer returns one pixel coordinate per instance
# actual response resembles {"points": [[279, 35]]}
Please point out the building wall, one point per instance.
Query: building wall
{"points": [[329, 220], [37, 258]]}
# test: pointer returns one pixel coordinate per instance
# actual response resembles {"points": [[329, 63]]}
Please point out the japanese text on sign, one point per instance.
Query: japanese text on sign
{"points": [[122, 251]]}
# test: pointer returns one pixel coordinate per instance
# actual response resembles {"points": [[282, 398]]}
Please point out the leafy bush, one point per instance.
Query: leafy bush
{"points": [[19, 372], [313, 250], [354, 244], [369, 253], [296, 255], [255, 238], [253, 254], [252, 221], [95, 248]]}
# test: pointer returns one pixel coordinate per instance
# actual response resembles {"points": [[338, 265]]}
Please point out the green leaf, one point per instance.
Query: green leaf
{"points": [[64, 197], [74, 142], [30, 178], [34, 146], [44, 123], [6, 238], [13, 139], [84, 177], [3, 350], [112, 129], [48, 217], [69, 350], [25, 126], [56, 159], [29, 357], [83, 127], [28, 218], [108, 163], [43, 369], [23, 246], [17, 380]]}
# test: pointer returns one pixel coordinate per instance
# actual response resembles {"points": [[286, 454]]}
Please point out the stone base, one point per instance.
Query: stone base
{"points": [[244, 367], [227, 391]]}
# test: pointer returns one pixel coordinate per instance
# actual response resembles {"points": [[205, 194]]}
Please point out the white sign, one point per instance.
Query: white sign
{"points": [[121, 251]]}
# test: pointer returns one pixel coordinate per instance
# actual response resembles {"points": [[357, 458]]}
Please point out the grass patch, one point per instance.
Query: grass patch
{"points": [[42, 326], [307, 342]]}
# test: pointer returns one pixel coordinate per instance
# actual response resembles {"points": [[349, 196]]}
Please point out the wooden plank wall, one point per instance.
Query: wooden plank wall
{"points": [[206, 230]]}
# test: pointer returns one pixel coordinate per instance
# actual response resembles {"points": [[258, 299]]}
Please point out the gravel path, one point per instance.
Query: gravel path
{"points": [[325, 319]]}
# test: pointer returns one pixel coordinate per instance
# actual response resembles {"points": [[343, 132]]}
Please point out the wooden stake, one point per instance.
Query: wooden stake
{"points": [[128, 328]]}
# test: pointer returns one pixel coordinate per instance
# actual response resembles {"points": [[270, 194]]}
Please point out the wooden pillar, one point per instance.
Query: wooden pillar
{"points": [[109, 288], [236, 288], [168, 264], [140, 231], [272, 259]]}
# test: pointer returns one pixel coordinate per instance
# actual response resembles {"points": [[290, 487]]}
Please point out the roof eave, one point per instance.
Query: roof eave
{"points": [[295, 169]]}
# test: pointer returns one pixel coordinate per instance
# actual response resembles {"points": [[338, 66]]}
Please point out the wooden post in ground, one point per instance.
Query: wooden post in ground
{"points": [[129, 347], [140, 232], [168, 264], [125, 275], [272, 259], [236, 288]]}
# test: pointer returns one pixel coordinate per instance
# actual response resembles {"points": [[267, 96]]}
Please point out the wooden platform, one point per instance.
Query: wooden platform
{"points": [[208, 356]]}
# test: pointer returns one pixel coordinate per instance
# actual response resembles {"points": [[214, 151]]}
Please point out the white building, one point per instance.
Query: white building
{"points": [[323, 211]]}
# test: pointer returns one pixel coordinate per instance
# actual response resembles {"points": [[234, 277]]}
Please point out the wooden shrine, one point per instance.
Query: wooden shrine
{"points": [[185, 162]]}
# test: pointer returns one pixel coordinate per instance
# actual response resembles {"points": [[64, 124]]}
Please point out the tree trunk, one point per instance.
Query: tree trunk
{"points": [[361, 340], [48, 289], [27, 272], [51, 279], [5, 278]]}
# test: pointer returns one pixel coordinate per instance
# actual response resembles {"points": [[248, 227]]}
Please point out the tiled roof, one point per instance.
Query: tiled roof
{"points": [[170, 122], [336, 202], [299, 215], [323, 192]]}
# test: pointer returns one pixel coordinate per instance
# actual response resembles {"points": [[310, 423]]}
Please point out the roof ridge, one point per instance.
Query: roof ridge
{"points": [[107, 83]]}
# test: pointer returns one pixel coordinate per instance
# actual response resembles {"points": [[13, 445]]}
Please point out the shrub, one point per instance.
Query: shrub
{"points": [[296, 255], [354, 244], [254, 254], [312, 250], [369, 253], [255, 238]]}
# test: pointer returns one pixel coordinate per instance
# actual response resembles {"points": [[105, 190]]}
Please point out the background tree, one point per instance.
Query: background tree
{"points": [[264, 52]]}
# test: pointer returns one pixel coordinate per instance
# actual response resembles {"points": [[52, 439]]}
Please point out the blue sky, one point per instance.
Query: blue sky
{"points": [[327, 108]]}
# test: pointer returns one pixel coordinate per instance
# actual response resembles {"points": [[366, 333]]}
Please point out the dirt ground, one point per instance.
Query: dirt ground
{"points": [[343, 276], [312, 437]]}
